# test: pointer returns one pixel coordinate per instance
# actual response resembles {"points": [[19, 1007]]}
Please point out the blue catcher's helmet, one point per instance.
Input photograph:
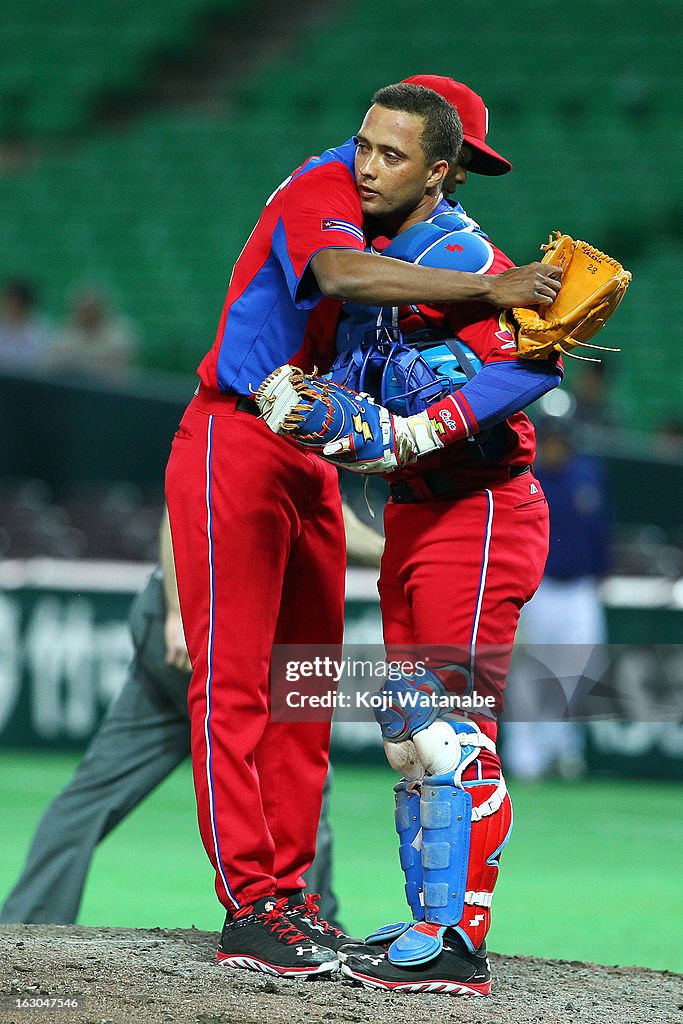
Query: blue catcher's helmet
{"points": [[405, 378]]}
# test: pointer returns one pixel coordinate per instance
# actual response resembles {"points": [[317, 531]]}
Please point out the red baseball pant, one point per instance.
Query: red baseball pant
{"points": [[258, 542], [456, 573]]}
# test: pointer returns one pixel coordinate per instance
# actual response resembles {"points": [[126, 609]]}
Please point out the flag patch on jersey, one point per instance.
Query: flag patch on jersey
{"points": [[328, 224]]}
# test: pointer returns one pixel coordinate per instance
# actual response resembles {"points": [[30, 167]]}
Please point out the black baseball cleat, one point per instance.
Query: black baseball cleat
{"points": [[263, 938], [303, 910], [353, 948], [454, 970], [376, 943]]}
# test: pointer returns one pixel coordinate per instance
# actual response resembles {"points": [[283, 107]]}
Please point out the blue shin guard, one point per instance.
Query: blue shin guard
{"points": [[446, 823], [408, 827], [445, 747], [446, 814]]}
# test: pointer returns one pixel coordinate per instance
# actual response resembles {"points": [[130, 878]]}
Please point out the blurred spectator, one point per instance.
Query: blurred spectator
{"points": [[24, 333], [95, 342], [668, 438], [566, 609], [594, 412]]}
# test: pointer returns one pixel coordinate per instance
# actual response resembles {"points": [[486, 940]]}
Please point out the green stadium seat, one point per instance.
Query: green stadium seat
{"points": [[161, 209]]}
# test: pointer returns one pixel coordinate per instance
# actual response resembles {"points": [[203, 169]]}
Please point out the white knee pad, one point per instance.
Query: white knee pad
{"points": [[403, 758], [449, 745]]}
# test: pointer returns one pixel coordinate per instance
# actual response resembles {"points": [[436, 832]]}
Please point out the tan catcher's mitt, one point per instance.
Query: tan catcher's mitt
{"points": [[593, 285]]}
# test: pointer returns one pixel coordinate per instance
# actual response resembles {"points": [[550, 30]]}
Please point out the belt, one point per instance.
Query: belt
{"points": [[222, 403], [244, 404], [442, 485]]}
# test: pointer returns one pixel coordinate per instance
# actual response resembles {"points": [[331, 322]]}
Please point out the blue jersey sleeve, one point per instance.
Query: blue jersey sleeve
{"points": [[503, 388], [499, 390]]}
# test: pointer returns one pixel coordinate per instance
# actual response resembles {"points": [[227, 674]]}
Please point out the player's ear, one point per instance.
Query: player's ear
{"points": [[437, 173]]}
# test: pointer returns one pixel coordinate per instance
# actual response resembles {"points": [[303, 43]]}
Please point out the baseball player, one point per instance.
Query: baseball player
{"points": [[466, 541], [143, 738], [258, 536]]}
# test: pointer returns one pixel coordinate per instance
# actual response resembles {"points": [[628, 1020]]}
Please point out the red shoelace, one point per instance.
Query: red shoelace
{"points": [[275, 921], [310, 909], [280, 925]]}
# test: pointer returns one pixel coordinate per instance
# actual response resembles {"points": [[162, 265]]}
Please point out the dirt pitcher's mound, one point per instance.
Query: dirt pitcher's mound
{"points": [[119, 976]]}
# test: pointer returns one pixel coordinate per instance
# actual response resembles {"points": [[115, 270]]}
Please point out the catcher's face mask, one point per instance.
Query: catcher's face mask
{"points": [[406, 379]]}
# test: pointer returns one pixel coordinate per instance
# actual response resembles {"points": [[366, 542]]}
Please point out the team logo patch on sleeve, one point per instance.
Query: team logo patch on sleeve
{"points": [[504, 334], [329, 224]]}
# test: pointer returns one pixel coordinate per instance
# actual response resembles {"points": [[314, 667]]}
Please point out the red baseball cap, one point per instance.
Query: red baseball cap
{"points": [[475, 121]]}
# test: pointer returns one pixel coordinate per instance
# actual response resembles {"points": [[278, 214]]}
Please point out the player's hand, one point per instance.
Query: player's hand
{"points": [[176, 648], [346, 427], [537, 282], [405, 438]]}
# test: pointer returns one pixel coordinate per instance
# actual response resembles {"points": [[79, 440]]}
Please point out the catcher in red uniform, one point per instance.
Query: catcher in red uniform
{"points": [[432, 396]]}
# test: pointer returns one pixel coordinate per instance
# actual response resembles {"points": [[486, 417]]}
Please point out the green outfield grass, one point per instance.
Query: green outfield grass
{"points": [[590, 873]]}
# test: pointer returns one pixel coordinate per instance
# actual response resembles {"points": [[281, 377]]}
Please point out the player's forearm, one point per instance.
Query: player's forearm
{"points": [[498, 391], [362, 543], [363, 277], [174, 635], [380, 280], [167, 564]]}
